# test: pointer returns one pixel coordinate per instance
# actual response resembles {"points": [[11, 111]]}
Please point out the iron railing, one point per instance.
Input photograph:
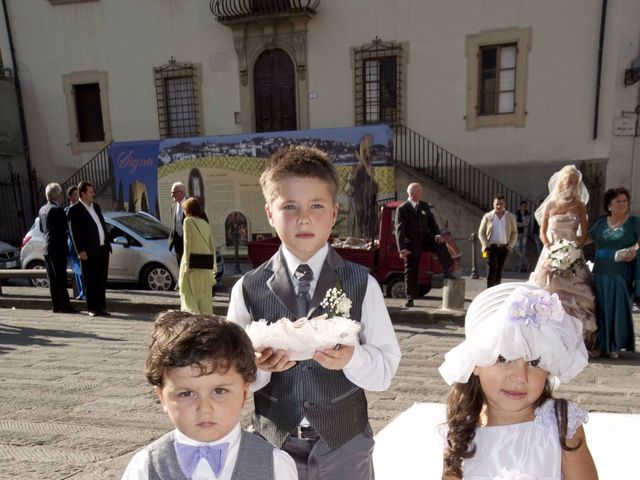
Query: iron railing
{"points": [[450, 171], [19, 202], [229, 10], [98, 171]]}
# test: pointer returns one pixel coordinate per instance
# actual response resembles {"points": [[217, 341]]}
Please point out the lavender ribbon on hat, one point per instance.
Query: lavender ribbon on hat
{"points": [[189, 456]]}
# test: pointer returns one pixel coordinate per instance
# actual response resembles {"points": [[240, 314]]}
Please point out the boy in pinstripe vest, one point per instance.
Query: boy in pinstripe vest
{"points": [[316, 409], [201, 367]]}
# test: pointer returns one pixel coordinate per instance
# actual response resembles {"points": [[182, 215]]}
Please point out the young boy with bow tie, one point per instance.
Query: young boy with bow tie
{"points": [[201, 367]]}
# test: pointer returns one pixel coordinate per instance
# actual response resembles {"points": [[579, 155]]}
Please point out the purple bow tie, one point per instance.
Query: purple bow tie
{"points": [[189, 456]]}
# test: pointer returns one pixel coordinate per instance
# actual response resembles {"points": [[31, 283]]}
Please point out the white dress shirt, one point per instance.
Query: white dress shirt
{"points": [[283, 465], [94, 215], [499, 231], [374, 361], [179, 217]]}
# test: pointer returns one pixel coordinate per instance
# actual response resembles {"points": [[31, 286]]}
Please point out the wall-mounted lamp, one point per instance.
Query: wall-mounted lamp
{"points": [[632, 75]]}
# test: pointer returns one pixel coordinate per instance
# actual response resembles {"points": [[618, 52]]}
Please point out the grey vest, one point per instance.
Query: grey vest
{"points": [[255, 459], [336, 408]]}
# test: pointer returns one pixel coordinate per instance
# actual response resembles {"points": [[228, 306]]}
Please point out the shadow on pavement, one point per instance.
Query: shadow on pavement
{"points": [[12, 336]]}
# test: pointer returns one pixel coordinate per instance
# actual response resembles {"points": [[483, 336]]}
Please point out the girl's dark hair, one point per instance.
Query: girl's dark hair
{"points": [[612, 193], [464, 405], [209, 342]]}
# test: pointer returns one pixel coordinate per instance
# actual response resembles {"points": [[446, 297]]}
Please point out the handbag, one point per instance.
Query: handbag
{"points": [[625, 254], [201, 261]]}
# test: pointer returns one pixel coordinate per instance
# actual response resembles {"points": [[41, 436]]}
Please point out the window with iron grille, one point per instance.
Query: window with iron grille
{"points": [[178, 99], [378, 69], [497, 79]]}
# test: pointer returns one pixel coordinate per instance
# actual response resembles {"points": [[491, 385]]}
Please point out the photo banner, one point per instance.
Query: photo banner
{"points": [[224, 171], [135, 171]]}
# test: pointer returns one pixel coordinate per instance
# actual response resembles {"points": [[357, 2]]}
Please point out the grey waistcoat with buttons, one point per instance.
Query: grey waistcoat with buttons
{"points": [[255, 459], [334, 406]]}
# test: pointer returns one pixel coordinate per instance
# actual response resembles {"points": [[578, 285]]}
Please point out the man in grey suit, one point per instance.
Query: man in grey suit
{"points": [[53, 225], [176, 242]]}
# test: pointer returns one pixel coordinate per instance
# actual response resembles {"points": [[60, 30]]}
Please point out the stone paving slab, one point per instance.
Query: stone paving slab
{"points": [[74, 402]]}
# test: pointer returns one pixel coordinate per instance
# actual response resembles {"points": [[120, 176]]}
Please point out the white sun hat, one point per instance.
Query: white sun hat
{"points": [[517, 320]]}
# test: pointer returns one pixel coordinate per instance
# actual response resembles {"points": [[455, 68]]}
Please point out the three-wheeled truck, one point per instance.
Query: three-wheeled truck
{"points": [[380, 257]]}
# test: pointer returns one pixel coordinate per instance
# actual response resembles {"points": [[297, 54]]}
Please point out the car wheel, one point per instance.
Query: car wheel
{"points": [[157, 277], [38, 282], [395, 288]]}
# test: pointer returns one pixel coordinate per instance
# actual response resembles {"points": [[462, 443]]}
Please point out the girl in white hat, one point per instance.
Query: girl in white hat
{"points": [[502, 421]]}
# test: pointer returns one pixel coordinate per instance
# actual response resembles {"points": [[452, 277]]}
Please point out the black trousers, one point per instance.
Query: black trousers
{"points": [[56, 266], [497, 255], [178, 247], [94, 271], [412, 264]]}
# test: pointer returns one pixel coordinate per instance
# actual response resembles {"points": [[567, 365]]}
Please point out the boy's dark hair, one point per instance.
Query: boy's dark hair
{"points": [[498, 196], [612, 193], [464, 406], [84, 186], [298, 161], [180, 339]]}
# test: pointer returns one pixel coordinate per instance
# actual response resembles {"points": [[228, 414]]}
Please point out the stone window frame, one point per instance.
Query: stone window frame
{"points": [[521, 37], [78, 78], [379, 49], [174, 69]]}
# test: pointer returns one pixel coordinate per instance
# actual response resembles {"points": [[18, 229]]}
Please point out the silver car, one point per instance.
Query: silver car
{"points": [[140, 251], [9, 256]]}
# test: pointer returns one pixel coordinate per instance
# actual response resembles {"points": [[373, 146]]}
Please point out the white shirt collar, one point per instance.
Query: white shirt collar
{"points": [[88, 205], [315, 262], [232, 437]]}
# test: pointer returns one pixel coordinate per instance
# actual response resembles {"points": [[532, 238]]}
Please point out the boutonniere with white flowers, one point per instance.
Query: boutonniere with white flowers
{"points": [[336, 303], [423, 212]]}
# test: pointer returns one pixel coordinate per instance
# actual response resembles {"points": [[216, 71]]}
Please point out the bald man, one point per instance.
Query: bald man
{"points": [[417, 231]]}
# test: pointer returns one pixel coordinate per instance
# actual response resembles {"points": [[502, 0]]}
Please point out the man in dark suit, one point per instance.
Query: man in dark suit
{"points": [[176, 242], [53, 225], [90, 238], [417, 230]]}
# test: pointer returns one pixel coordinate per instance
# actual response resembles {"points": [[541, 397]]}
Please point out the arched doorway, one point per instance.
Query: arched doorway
{"points": [[274, 92]]}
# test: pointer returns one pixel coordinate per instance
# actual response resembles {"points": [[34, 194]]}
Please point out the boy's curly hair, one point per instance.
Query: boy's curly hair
{"points": [[298, 161], [464, 406], [180, 339]]}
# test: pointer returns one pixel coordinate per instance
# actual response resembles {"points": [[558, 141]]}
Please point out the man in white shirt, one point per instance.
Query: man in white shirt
{"points": [[90, 239], [497, 233]]}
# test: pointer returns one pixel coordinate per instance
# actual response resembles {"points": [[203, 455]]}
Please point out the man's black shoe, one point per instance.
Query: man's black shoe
{"points": [[104, 314], [409, 303], [449, 275], [69, 310], [93, 314]]}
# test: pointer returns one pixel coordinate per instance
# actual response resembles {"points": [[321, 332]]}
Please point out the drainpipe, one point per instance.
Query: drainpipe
{"points": [[603, 20], [23, 123]]}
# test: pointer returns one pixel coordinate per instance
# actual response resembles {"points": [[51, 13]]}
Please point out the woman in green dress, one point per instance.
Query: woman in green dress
{"points": [[196, 284], [616, 276]]}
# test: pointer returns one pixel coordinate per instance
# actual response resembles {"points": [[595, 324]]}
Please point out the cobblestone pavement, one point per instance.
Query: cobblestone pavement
{"points": [[74, 403]]}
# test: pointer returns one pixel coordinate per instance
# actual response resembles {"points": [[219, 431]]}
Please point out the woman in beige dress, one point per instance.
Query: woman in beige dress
{"points": [[563, 215], [196, 284]]}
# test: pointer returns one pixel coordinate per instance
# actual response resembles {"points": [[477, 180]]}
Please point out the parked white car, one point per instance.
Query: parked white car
{"points": [[140, 252]]}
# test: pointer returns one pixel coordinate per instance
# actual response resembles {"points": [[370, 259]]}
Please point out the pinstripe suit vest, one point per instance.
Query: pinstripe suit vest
{"points": [[334, 406], [254, 462]]}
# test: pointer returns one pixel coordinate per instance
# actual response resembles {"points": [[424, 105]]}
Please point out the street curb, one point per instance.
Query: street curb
{"points": [[422, 316]]}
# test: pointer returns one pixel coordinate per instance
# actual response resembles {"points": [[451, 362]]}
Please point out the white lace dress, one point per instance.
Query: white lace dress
{"points": [[523, 451]]}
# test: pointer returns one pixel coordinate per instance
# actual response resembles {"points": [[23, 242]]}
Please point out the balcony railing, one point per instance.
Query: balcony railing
{"points": [[230, 10]]}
